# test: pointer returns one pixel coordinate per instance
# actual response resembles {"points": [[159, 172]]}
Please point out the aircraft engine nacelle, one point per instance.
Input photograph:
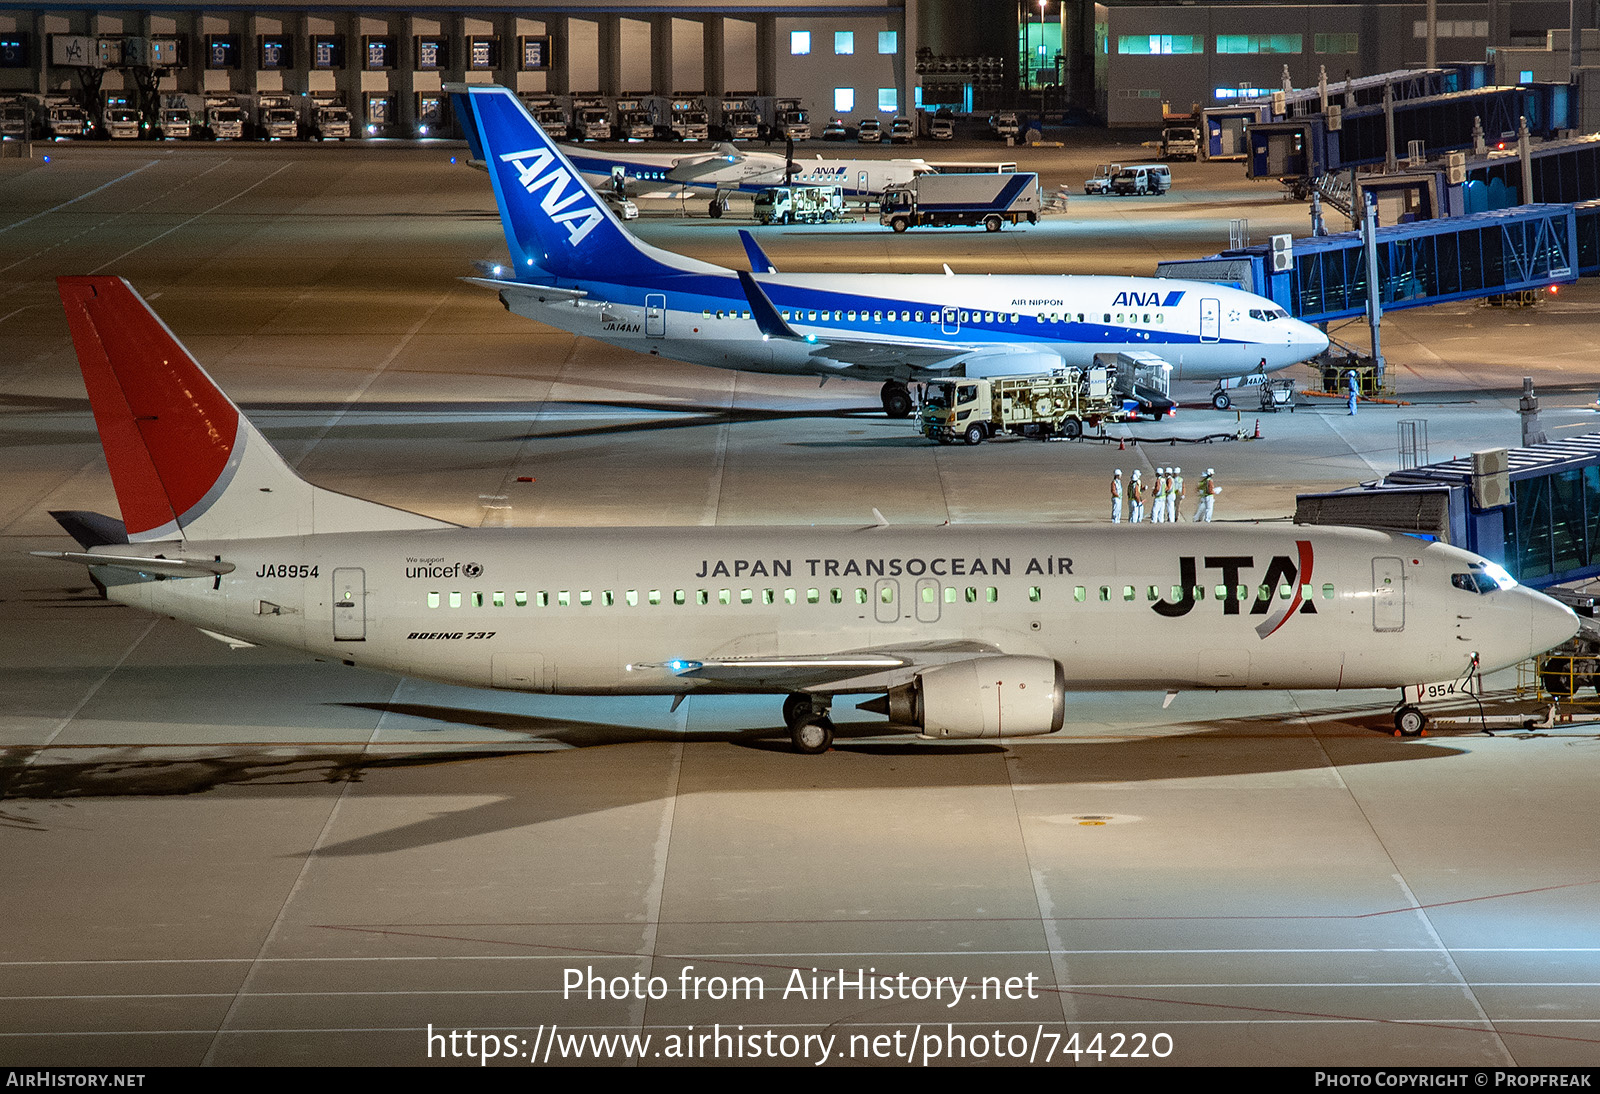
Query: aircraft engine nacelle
{"points": [[1026, 363], [984, 697]]}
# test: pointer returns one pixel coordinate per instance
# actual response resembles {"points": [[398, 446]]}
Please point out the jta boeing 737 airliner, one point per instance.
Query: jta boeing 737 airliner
{"points": [[574, 266], [965, 632]]}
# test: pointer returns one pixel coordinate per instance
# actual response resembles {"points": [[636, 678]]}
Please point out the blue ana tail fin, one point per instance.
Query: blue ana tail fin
{"points": [[555, 225]]}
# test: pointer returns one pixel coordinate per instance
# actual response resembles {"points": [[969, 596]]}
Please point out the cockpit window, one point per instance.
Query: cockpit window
{"points": [[1475, 582], [1267, 315]]}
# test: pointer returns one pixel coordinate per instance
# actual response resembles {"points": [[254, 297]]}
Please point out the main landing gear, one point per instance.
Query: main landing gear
{"points": [[810, 729], [719, 205], [896, 399]]}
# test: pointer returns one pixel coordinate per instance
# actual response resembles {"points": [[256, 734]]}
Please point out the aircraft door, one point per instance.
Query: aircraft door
{"points": [[886, 600], [863, 186], [928, 600], [349, 605], [950, 320], [1388, 594], [655, 315], [1210, 319]]}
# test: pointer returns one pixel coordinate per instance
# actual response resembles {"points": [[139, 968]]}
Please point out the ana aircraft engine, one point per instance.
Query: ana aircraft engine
{"points": [[984, 697]]}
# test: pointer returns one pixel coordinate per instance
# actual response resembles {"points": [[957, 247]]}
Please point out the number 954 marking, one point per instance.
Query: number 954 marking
{"points": [[286, 569]]}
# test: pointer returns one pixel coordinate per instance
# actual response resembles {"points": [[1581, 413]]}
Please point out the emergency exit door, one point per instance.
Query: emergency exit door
{"points": [[655, 315], [1210, 319], [886, 598], [349, 605], [1388, 594]]}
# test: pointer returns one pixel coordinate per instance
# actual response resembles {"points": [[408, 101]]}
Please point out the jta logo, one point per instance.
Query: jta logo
{"points": [[1282, 571]]}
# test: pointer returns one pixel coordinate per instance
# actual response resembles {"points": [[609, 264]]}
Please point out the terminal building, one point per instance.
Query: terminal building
{"points": [[1057, 61]]}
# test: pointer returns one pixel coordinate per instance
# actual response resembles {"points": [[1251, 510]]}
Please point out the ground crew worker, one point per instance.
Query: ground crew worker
{"points": [[1135, 499], [1174, 494], [1116, 497], [1158, 498], [1354, 381], [1208, 495]]}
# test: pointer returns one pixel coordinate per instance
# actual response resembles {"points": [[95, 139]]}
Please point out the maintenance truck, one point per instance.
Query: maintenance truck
{"points": [[1057, 404], [591, 120], [937, 200], [799, 205]]}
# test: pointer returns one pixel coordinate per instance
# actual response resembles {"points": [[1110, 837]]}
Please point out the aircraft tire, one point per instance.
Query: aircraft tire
{"points": [[812, 736], [1409, 721], [973, 435], [1221, 400], [716, 209]]}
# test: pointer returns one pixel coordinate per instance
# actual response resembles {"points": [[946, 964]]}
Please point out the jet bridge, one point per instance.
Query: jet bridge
{"points": [[1323, 278], [1534, 510]]}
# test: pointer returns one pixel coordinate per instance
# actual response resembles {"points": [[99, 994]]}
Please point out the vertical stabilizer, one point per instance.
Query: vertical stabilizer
{"points": [[554, 222], [185, 463]]}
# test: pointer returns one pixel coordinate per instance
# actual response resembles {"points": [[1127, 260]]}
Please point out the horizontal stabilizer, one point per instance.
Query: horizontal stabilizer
{"points": [[144, 564], [91, 529]]}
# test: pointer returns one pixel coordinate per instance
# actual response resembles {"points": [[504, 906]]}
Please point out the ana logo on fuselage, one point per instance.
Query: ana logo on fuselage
{"points": [[531, 168], [1147, 299]]}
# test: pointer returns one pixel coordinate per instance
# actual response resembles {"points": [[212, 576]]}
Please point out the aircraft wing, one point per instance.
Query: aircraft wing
{"points": [[867, 669]]}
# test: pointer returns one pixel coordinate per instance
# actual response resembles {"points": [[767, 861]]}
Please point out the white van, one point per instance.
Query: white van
{"points": [[1142, 178]]}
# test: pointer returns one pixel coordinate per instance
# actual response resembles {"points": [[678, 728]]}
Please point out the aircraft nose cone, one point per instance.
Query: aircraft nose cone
{"points": [[1312, 339], [1553, 622]]}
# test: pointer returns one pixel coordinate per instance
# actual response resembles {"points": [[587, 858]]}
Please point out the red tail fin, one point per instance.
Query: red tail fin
{"points": [[169, 433]]}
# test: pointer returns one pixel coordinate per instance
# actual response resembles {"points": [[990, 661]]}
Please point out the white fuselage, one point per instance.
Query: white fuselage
{"points": [[1019, 324], [711, 171], [630, 611]]}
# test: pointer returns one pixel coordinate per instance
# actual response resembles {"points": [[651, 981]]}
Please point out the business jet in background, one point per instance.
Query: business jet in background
{"points": [[574, 266], [963, 632]]}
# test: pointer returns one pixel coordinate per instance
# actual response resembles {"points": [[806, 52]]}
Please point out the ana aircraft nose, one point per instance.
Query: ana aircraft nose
{"points": [[1309, 338]]}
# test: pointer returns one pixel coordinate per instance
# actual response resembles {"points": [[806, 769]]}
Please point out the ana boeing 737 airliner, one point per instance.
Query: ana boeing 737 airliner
{"points": [[574, 266], [964, 632]]}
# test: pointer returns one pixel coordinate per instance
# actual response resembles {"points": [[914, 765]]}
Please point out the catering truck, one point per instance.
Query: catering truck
{"points": [[738, 119], [679, 117], [224, 120], [936, 200], [330, 119], [591, 118], [633, 121], [277, 117], [790, 120]]}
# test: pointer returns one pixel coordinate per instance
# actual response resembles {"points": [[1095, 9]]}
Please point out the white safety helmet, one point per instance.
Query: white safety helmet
{"points": [[1135, 472], [1209, 471], [1117, 473], [1177, 470]]}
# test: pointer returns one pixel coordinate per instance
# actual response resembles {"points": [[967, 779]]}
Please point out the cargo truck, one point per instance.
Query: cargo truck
{"points": [[591, 119], [176, 118], [61, 118], [1057, 404], [633, 121], [937, 200], [121, 123]]}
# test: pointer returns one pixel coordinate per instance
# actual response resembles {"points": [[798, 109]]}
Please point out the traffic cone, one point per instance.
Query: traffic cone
{"points": [[1258, 429], [1122, 444]]}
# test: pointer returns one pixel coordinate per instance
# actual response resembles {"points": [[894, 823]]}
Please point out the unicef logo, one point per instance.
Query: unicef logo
{"points": [[471, 569]]}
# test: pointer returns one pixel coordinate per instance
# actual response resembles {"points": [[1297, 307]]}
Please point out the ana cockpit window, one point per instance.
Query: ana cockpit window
{"points": [[1475, 582]]}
